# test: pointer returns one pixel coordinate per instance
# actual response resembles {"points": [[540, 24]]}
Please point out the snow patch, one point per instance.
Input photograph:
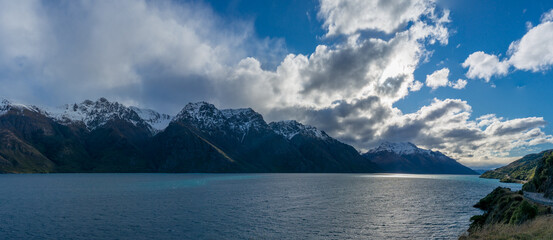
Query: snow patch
{"points": [[158, 121], [401, 148], [244, 119], [6, 106], [94, 114], [203, 115], [291, 128]]}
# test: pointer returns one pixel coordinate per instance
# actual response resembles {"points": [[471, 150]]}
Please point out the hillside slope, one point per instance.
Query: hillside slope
{"points": [[520, 170], [542, 182]]}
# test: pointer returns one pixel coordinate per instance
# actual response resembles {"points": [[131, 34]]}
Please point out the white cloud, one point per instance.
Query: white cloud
{"points": [[547, 17], [415, 86], [529, 25], [533, 52], [460, 84], [484, 66], [438, 79], [351, 16]]}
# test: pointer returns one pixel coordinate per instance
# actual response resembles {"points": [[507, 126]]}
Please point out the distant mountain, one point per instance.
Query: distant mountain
{"points": [[405, 157], [520, 170], [104, 136]]}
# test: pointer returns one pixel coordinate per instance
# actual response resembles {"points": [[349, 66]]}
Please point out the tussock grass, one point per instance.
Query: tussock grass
{"points": [[539, 228]]}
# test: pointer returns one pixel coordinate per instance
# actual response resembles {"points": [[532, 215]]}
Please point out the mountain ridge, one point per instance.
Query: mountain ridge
{"points": [[104, 136]]}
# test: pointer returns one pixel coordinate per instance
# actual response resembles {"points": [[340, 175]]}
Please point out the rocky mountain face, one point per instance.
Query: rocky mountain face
{"points": [[104, 136], [405, 157], [520, 170]]}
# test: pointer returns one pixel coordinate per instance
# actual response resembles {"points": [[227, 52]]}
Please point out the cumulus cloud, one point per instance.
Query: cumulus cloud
{"points": [[415, 86], [130, 51], [347, 17], [439, 78], [460, 84], [547, 17], [533, 52], [346, 71], [484, 66]]}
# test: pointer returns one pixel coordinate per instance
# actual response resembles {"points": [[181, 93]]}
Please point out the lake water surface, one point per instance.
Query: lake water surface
{"points": [[239, 206]]}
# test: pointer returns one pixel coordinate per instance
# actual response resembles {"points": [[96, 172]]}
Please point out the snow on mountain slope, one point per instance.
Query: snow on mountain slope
{"points": [[207, 117], [291, 128], [6, 106], [95, 114], [401, 148], [203, 115], [158, 121], [244, 119]]}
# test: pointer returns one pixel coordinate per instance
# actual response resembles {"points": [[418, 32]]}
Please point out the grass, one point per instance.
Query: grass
{"points": [[539, 228]]}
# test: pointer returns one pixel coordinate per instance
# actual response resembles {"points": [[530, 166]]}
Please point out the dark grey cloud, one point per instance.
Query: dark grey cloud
{"points": [[345, 68], [515, 126]]}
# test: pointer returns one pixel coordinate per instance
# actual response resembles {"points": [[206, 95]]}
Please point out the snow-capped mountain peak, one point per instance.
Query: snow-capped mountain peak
{"points": [[291, 128], [202, 114], [95, 113], [6, 106], [401, 148]]}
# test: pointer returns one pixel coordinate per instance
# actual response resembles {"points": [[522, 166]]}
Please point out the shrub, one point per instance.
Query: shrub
{"points": [[524, 211]]}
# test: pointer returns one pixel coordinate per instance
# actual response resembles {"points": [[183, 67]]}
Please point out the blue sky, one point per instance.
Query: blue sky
{"points": [[461, 77]]}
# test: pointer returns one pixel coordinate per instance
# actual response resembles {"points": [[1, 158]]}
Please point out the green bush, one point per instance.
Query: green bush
{"points": [[524, 211]]}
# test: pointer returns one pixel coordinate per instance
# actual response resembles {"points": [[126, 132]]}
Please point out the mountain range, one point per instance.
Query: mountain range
{"points": [[104, 136]]}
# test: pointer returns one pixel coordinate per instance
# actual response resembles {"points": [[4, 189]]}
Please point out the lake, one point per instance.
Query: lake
{"points": [[239, 206]]}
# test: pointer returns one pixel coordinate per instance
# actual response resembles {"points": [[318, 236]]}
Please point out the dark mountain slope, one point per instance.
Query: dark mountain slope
{"points": [[17, 156], [57, 143], [327, 154], [180, 149], [119, 146]]}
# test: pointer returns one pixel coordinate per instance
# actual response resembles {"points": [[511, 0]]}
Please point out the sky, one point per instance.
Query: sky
{"points": [[471, 79]]}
